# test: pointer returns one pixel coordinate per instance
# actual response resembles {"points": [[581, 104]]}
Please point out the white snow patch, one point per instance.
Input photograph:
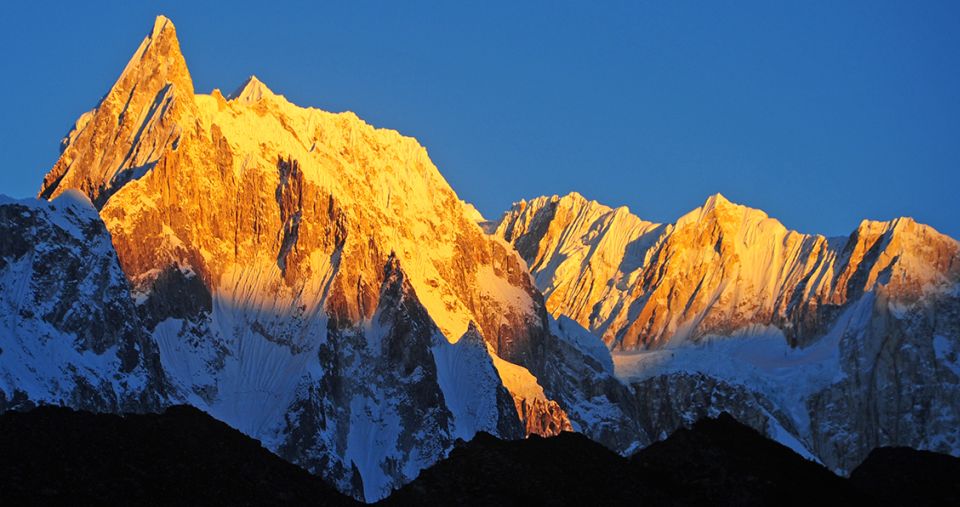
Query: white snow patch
{"points": [[780, 434], [73, 198], [586, 342], [469, 384], [374, 429]]}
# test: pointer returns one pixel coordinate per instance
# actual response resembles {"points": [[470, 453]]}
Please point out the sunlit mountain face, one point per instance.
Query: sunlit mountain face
{"points": [[313, 282]]}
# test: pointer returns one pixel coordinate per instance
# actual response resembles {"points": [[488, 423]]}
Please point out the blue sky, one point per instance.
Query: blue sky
{"points": [[820, 113]]}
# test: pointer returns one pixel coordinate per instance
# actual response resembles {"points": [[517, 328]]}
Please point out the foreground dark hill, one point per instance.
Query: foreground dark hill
{"points": [[904, 476], [568, 469], [53, 455], [723, 462], [717, 462]]}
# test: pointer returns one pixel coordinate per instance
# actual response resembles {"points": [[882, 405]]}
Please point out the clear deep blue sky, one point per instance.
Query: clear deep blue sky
{"points": [[820, 113]]}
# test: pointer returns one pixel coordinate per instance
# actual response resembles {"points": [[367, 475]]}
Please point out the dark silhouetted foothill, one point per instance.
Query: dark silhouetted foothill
{"points": [[568, 469], [904, 476], [53, 455], [723, 462], [183, 456]]}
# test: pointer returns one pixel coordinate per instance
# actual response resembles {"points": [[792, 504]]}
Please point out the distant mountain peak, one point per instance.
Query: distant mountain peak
{"points": [[716, 200], [724, 265], [719, 209], [574, 196], [252, 90]]}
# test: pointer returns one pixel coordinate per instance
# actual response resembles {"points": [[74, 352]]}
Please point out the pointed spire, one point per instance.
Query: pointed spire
{"points": [[716, 200], [155, 75], [252, 90], [158, 55]]}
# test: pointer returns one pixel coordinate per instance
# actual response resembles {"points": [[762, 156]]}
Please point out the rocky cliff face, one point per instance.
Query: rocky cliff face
{"points": [[308, 278], [69, 333], [834, 346]]}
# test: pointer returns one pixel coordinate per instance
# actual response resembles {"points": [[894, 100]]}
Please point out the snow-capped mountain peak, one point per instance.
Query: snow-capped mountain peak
{"points": [[251, 91]]}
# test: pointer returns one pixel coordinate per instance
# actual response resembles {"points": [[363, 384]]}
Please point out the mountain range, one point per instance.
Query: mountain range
{"points": [[313, 282], [832, 345]]}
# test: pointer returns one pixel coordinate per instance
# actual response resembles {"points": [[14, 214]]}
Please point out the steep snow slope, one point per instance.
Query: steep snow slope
{"points": [[472, 387], [68, 329], [305, 276], [833, 346]]}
